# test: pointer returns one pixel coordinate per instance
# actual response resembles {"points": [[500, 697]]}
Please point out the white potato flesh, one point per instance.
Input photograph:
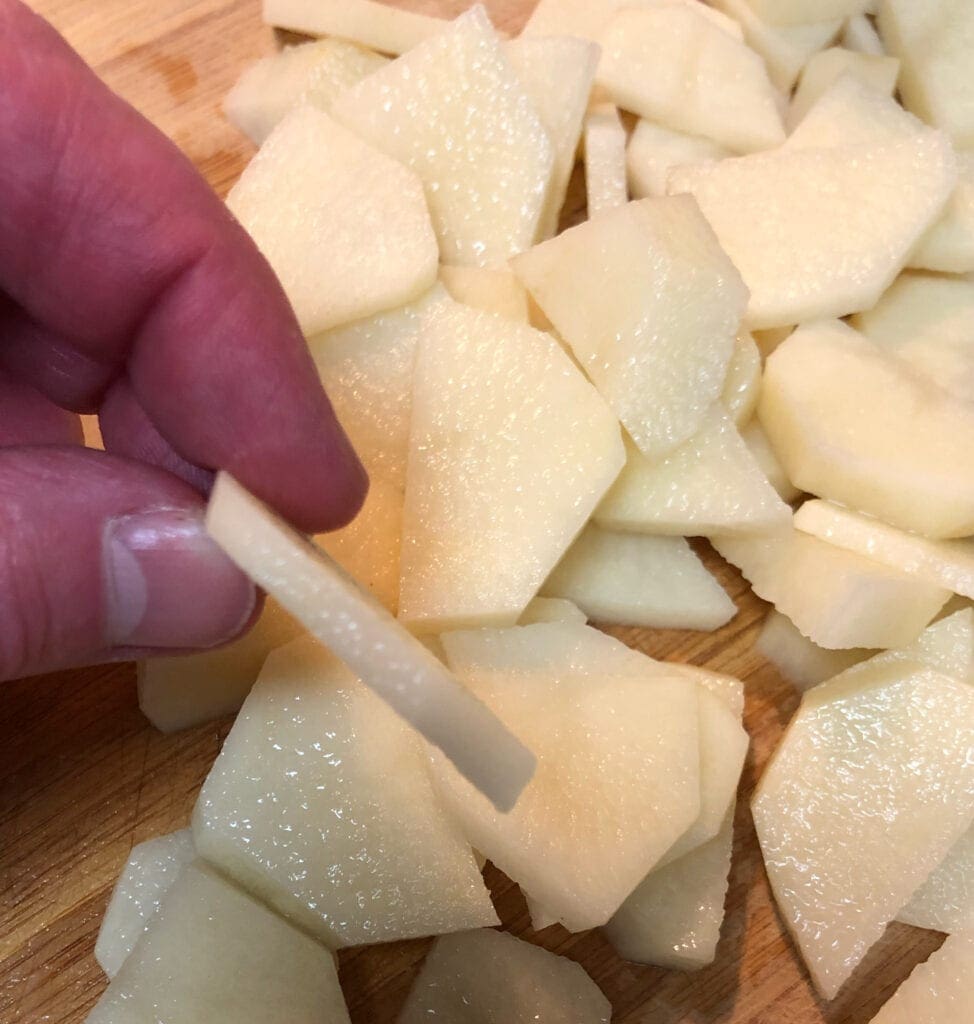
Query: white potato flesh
{"points": [[826, 67], [605, 160], [742, 386], [321, 805], [147, 877], [636, 579], [798, 660], [945, 563], [710, 484], [654, 150], [757, 440], [379, 26], [650, 306], [511, 450], [860, 35], [489, 976], [938, 991], [672, 65], [454, 111], [767, 341], [492, 289], [588, 19], [552, 609], [315, 73], [345, 228], [317, 592], [557, 73], [854, 425], [179, 693], [618, 778], [804, 12], [785, 48], [945, 901], [948, 246], [871, 787], [837, 599], [928, 321], [795, 225], [934, 40], [729, 689], [214, 954]]}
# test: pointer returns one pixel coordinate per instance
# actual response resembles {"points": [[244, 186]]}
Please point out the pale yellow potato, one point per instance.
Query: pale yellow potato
{"points": [[653, 150], [213, 953], [798, 660], [742, 386], [492, 289], [315, 73], [650, 305], [757, 441], [948, 246], [945, 901], [454, 111], [588, 19], [636, 579], [832, 404], [860, 35], [823, 69], [345, 228], [850, 825], [511, 450], [671, 64], [320, 805], [767, 341], [804, 12], [710, 484], [605, 160], [552, 609]]}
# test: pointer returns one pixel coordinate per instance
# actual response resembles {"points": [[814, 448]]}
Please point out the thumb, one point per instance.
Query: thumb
{"points": [[102, 557]]}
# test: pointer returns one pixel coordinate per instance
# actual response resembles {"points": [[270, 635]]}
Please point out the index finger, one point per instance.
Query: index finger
{"points": [[113, 244]]}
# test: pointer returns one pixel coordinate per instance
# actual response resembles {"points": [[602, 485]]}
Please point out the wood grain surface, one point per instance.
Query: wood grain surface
{"points": [[83, 777]]}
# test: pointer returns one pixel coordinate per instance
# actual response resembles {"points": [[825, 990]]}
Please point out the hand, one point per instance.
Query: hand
{"points": [[126, 288]]}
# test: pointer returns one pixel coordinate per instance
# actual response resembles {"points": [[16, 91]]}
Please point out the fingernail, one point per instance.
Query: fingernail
{"points": [[167, 583]]}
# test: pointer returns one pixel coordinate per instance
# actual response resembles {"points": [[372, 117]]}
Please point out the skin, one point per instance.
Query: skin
{"points": [[127, 289]]}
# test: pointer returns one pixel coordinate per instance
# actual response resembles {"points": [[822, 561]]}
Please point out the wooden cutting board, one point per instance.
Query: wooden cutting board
{"points": [[83, 777]]}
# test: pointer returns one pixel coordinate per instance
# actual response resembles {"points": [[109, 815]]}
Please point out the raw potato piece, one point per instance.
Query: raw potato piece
{"points": [[309, 585], [147, 877], [945, 563], [850, 825], [178, 693], [949, 245], [937, 992], [494, 290], [856, 426], [557, 73], [379, 26], [511, 451], [214, 954], [945, 901], [632, 579], [795, 225], [605, 160], [618, 777], [552, 609], [320, 804], [454, 111], [315, 73], [489, 976], [650, 306], [825, 68], [803, 12], [588, 19], [654, 150], [860, 35], [742, 386], [757, 440], [711, 484], [345, 228], [671, 64], [800, 661], [837, 599]]}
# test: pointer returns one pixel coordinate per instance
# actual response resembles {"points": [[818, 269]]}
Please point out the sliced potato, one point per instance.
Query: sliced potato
{"points": [[552, 609], [605, 160], [757, 440], [492, 289], [803, 12], [945, 901], [654, 150], [860, 35], [826, 67], [742, 386]]}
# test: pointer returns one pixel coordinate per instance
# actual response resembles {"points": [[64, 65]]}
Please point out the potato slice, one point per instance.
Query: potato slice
{"points": [[938, 991], [671, 64], [316, 73], [850, 827], [379, 26], [478, 145], [265, 970], [632, 579], [179, 693], [588, 19], [309, 585], [711, 484], [345, 228], [759, 444], [490, 976], [148, 875], [948, 246], [605, 160], [497, 408], [492, 289], [654, 150], [618, 778], [783, 216], [552, 609], [320, 804], [803, 12], [826, 67], [833, 405], [945, 901], [836, 598], [860, 35], [650, 306], [742, 386], [799, 660]]}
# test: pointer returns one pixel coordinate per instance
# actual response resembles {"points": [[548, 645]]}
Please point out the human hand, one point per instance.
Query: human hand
{"points": [[127, 288]]}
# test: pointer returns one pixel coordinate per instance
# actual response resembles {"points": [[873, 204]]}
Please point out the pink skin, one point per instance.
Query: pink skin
{"points": [[126, 286]]}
